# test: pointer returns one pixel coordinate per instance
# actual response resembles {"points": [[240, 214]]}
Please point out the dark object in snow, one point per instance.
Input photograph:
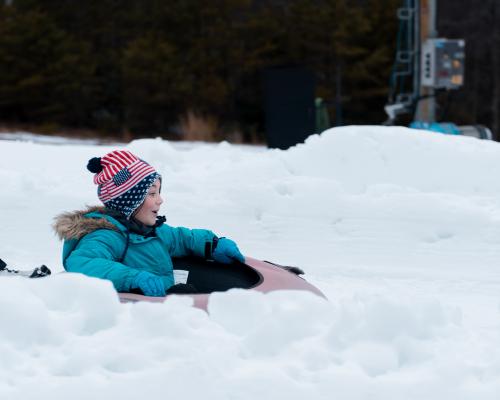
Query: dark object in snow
{"points": [[209, 277], [38, 272], [289, 105]]}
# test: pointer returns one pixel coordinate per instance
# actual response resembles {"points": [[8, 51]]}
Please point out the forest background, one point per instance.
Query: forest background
{"points": [[186, 69]]}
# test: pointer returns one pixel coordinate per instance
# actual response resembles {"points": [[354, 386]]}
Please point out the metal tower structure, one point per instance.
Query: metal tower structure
{"points": [[423, 63], [404, 82]]}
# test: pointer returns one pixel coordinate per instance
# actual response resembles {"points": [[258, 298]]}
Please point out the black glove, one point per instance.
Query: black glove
{"points": [[182, 288]]}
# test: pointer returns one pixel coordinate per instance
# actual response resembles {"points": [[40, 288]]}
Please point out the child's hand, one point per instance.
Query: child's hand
{"points": [[150, 284], [227, 252]]}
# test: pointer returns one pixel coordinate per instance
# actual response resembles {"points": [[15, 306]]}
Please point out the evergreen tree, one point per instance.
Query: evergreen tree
{"points": [[43, 71], [154, 85], [124, 64]]}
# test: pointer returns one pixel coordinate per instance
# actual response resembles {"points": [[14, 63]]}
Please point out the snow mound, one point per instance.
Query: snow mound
{"points": [[398, 158], [399, 228], [72, 329]]}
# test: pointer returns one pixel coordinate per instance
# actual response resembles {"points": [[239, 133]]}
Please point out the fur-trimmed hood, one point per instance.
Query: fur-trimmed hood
{"points": [[74, 224]]}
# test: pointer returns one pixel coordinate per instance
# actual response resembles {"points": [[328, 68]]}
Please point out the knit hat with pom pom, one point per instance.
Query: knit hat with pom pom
{"points": [[122, 180]]}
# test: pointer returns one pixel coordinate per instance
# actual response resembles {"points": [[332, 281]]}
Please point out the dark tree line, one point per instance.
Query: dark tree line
{"points": [[479, 24], [142, 66]]}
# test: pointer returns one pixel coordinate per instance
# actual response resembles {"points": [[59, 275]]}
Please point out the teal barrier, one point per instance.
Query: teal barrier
{"points": [[447, 128]]}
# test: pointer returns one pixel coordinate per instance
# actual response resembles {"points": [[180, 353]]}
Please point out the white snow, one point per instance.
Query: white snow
{"points": [[399, 228]]}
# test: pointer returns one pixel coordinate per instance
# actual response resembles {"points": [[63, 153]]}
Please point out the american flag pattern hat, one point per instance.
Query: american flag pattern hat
{"points": [[123, 180]]}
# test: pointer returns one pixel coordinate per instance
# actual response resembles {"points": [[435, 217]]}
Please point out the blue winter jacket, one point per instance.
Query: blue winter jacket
{"points": [[94, 244]]}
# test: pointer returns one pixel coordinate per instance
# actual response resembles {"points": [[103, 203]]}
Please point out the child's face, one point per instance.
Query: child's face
{"points": [[148, 210]]}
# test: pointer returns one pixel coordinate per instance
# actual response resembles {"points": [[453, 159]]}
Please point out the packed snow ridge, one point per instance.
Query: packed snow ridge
{"points": [[399, 228]]}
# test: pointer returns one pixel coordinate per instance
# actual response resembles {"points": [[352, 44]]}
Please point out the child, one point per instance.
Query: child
{"points": [[126, 241]]}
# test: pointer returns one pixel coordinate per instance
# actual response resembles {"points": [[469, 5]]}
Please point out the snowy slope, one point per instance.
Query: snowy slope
{"points": [[399, 228]]}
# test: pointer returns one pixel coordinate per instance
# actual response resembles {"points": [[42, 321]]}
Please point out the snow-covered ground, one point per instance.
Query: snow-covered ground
{"points": [[399, 228]]}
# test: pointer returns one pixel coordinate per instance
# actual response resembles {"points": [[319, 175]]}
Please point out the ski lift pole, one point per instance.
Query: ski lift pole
{"points": [[426, 108]]}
